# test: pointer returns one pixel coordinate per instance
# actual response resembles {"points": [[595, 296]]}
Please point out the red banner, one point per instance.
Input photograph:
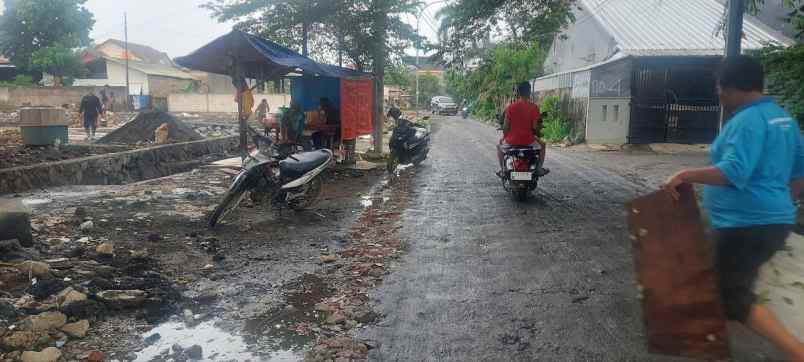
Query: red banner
{"points": [[357, 108]]}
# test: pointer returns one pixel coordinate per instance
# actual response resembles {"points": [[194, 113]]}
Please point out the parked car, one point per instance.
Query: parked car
{"points": [[443, 105]]}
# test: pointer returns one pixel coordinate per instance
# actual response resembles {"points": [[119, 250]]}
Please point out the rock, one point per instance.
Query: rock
{"points": [[106, 249], [81, 309], [76, 252], [76, 330], [46, 287], [177, 348], [120, 299], [50, 354], [13, 356], [8, 312], [12, 280], [195, 352], [336, 318], [152, 339], [46, 321], [19, 340], [68, 296], [154, 237], [95, 356], [87, 226], [329, 258], [9, 246], [35, 268], [15, 222], [323, 307]]}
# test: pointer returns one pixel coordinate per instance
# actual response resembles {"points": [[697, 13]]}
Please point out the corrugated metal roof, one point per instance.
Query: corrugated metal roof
{"points": [[154, 69], [673, 27]]}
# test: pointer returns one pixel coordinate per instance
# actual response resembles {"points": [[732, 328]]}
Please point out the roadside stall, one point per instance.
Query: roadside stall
{"points": [[243, 56]]}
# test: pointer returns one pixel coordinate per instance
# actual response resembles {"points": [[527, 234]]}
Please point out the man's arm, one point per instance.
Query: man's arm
{"points": [[706, 176], [506, 124]]}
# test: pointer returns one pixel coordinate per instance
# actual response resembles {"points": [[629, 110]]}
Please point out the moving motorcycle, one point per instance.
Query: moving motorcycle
{"points": [[409, 144], [520, 175], [280, 174]]}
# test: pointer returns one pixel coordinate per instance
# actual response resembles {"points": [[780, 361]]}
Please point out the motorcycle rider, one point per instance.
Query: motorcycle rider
{"points": [[521, 125]]}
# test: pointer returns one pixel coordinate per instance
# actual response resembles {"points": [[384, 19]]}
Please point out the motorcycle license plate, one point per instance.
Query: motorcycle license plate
{"points": [[521, 176]]}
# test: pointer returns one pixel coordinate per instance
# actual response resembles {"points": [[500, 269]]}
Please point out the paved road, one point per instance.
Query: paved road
{"points": [[488, 279]]}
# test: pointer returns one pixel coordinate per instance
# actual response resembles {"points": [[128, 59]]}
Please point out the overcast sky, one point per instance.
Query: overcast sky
{"points": [[177, 27]]}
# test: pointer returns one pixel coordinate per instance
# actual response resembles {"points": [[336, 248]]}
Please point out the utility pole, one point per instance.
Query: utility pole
{"points": [[418, 45], [734, 27], [128, 85]]}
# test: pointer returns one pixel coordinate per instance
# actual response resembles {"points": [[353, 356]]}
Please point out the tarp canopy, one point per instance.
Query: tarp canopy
{"points": [[259, 59]]}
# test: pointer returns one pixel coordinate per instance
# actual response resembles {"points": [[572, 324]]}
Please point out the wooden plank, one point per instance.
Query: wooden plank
{"points": [[682, 311]]}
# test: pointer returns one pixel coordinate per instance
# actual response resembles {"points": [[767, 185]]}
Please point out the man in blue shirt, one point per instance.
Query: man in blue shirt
{"points": [[758, 168]]}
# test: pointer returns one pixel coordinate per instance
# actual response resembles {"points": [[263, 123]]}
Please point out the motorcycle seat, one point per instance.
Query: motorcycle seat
{"points": [[303, 163]]}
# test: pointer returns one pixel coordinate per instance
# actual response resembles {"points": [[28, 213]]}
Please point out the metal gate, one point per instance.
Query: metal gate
{"points": [[674, 100]]}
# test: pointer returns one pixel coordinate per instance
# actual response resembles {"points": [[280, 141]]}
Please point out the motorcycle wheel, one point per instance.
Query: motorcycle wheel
{"points": [[230, 201], [311, 195], [521, 195]]}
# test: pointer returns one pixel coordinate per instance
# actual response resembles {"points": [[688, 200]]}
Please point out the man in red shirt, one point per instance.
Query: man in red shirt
{"points": [[522, 124]]}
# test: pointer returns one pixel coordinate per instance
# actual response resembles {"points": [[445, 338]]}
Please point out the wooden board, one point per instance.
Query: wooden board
{"points": [[681, 305]]}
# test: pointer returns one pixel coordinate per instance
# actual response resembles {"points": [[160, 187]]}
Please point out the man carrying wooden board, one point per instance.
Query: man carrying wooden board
{"points": [[757, 170]]}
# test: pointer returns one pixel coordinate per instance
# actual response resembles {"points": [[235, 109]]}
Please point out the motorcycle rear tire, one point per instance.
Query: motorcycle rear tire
{"points": [[521, 195], [230, 201], [314, 189]]}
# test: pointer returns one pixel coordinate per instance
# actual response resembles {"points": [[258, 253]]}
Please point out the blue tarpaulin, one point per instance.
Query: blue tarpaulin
{"points": [[307, 92], [259, 59]]}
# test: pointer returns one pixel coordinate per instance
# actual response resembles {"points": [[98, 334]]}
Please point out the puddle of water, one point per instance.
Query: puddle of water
{"points": [[217, 344]]}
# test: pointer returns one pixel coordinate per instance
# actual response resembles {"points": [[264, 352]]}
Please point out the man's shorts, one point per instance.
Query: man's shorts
{"points": [[740, 252], [90, 121]]}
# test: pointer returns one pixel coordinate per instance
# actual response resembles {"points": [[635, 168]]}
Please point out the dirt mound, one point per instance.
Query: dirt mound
{"points": [[142, 128]]}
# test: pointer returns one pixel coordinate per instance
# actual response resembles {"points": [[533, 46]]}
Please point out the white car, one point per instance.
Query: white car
{"points": [[443, 105]]}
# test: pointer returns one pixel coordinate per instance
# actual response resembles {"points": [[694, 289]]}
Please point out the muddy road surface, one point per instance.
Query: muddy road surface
{"points": [[489, 279]]}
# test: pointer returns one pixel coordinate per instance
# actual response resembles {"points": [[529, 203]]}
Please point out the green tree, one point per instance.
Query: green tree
{"points": [[29, 25], [466, 23], [494, 81], [59, 61], [366, 31]]}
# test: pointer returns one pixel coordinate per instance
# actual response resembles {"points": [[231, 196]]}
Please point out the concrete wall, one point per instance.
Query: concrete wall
{"points": [[54, 97], [218, 103], [584, 43], [608, 120], [162, 87], [117, 168]]}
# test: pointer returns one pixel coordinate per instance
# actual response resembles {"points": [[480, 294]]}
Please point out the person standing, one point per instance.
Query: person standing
{"points": [[757, 170], [90, 109], [262, 110]]}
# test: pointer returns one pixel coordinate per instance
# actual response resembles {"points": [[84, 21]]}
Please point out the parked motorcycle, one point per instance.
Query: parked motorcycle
{"points": [[465, 112], [409, 144], [279, 174], [520, 175]]}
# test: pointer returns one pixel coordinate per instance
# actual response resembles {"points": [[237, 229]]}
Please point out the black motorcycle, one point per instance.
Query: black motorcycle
{"points": [[279, 174], [520, 175], [409, 144]]}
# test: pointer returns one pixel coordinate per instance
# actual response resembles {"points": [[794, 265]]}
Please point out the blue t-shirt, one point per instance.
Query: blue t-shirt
{"points": [[760, 152]]}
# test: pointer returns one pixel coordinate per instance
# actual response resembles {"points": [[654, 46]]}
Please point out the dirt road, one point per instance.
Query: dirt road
{"points": [[489, 279]]}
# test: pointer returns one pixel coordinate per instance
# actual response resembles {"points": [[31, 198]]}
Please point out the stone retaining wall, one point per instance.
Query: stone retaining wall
{"points": [[116, 168]]}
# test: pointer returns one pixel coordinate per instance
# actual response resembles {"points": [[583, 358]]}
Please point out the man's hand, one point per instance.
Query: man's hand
{"points": [[673, 182]]}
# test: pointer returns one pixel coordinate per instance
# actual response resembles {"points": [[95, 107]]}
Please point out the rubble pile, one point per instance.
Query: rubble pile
{"points": [[352, 273], [216, 130], [53, 294], [141, 129]]}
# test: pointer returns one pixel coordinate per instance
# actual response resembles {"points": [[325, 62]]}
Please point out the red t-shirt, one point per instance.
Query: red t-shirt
{"points": [[521, 116]]}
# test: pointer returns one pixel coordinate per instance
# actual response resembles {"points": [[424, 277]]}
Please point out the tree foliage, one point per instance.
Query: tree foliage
{"points": [[349, 27], [466, 23], [784, 70], [58, 61], [429, 85], [27, 26], [794, 16], [493, 83]]}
